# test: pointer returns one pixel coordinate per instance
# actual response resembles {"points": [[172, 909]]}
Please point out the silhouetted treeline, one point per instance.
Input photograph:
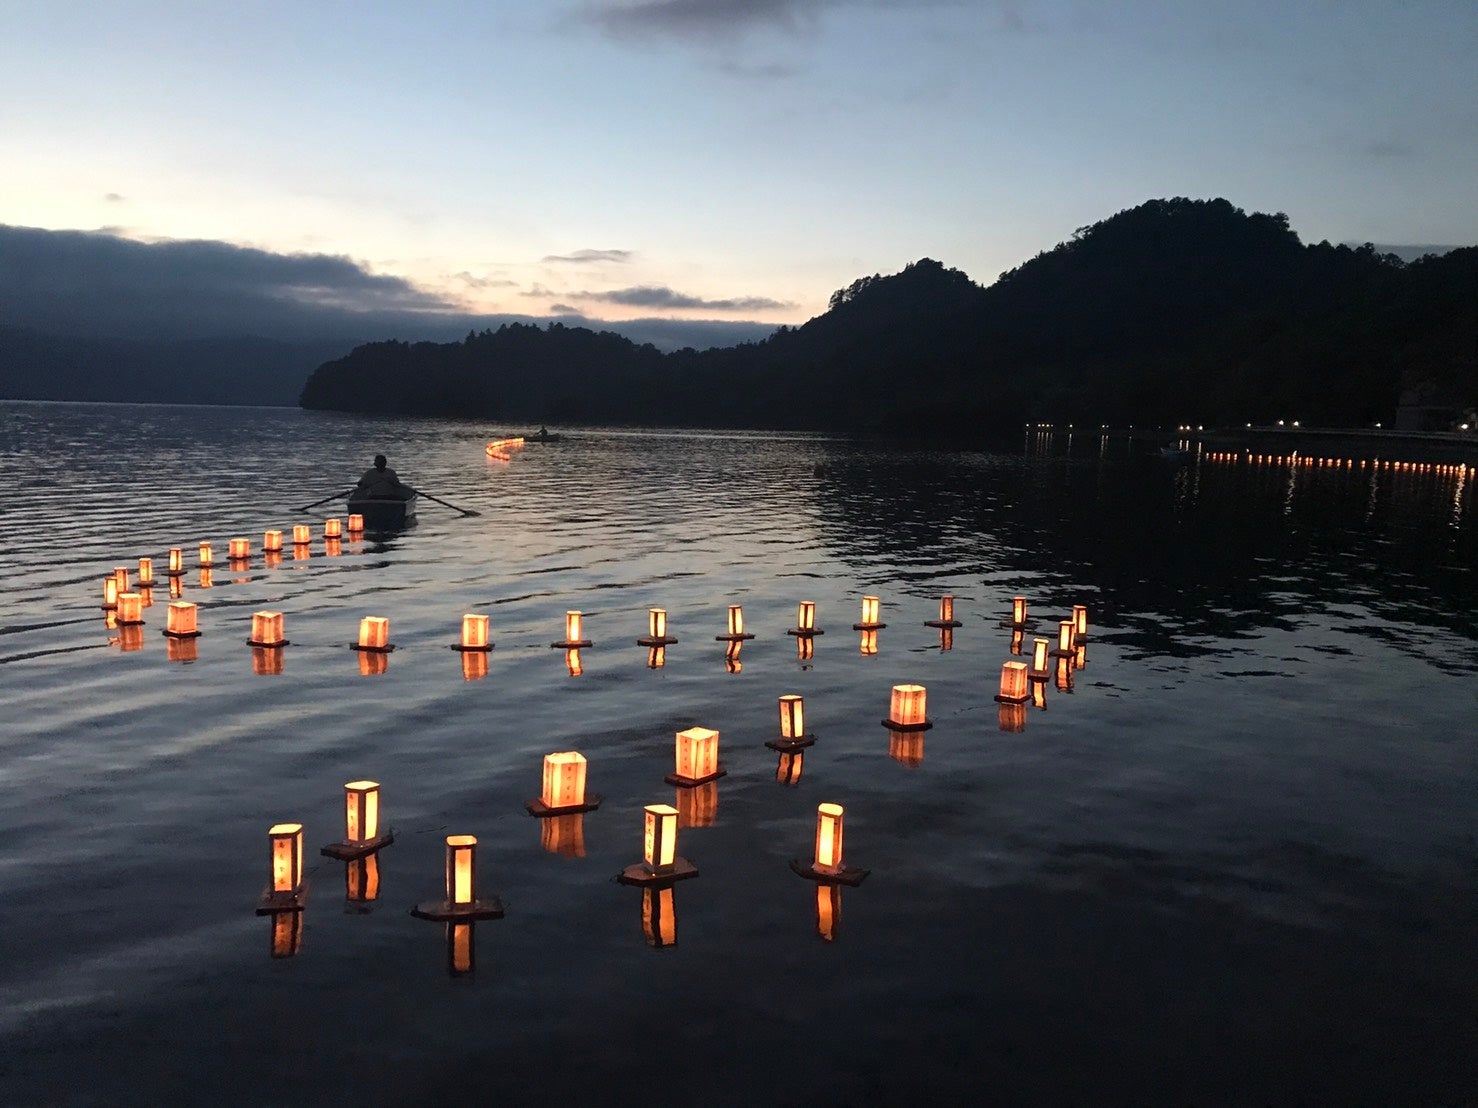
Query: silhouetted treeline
{"points": [[1173, 311]]}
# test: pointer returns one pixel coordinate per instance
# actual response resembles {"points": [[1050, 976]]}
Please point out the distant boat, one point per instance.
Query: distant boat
{"points": [[1174, 454], [542, 436], [384, 513]]}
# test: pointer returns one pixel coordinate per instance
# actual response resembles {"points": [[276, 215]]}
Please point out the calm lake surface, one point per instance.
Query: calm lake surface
{"points": [[1235, 862]]}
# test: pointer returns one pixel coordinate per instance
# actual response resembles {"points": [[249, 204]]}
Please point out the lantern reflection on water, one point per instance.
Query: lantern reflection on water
{"points": [[462, 902], [266, 661], [946, 638], [374, 635], [1065, 674], [563, 835], [696, 755], [946, 614], [207, 577], [184, 651], [1014, 688], [906, 710], [362, 833], [660, 864], [659, 916], [287, 932], [373, 663], [180, 620], [805, 650], [656, 629], [870, 619], [906, 748], [657, 657], [1039, 695], [129, 639], [793, 735], [1011, 716], [868, 646], [828, 911], [267, 630], [698, 806], [362, 879], [805, 620], [827, 865], [474, 665], [573, 663], [285, 887], [474, 633], [788, 770], [461, 948], [731, 657], [574, 632], [736, 632], [1018, 637], [563, 789], [176, 588]]}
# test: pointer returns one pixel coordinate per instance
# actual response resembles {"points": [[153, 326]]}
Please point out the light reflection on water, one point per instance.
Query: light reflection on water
{"points": [[1263, 768]]}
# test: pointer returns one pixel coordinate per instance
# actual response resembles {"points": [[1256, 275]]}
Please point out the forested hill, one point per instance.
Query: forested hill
{"points": [[1173, 311]]}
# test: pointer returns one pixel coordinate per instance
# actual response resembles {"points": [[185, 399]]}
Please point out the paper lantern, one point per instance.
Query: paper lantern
{"points": [[120, 577], [362, 879], [563, 835], [826, 865], [301, 534], [574, 632], [868, 646], [906, 709], [696, 751], [788, 770], [462, 902], [736, 632], [1012, 717], [374, 634], [698, 806], [1018, 611], [238, 550], [946, 614], [356, 524], [176, 561], [266, 661], [461, 948], [362, 834], [1080, 621], [792, 725], [656, 629], [658, 916], [285, 888], [474, 633], [146, 573], [660, 862], [828, 911], [1064, 639], [1014, 688], [573, 663], [110, 594], [1039, 658], [179, 620], [206, 557], [287, 933], [333, 528], [130, 609], [267, 630], [869, 620], [805, 620], [564, 786], [272, 542]]}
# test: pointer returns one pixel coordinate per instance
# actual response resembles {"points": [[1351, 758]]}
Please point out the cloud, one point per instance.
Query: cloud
{"points": [[660, 296], [114, 197], [483, 282], [583, 256], [702, 18], [564, 309]]}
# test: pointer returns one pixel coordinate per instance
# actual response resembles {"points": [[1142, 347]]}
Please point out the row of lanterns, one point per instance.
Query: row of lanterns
{"points": [[1457, 469]]}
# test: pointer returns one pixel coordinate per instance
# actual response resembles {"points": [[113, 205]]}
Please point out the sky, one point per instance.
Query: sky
{"points": [[723, 159]]}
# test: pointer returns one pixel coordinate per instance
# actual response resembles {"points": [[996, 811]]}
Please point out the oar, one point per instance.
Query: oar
{"points": [[325, 500], [437, 499]]}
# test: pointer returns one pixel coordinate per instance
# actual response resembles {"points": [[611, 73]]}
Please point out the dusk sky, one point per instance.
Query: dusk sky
{"points": [[725, 159]]}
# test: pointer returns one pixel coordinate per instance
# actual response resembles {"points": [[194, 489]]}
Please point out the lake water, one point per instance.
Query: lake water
{"points": [[1235, 861]]}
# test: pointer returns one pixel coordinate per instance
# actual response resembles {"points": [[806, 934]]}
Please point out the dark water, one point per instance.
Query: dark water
{"points": [[1236, 862]]}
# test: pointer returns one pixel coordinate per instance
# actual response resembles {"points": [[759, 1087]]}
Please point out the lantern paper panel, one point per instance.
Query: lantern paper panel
{"points": [[659, 844], [907, 707], [238, 550], [564, 780], [110, 593], [267, 629], [1013, 683], [1039, 655], [120, 575], [1080, 621], [176, 561], [302, 534], [461, 856], [361, 811], [736, 620], [180, 619], [374, 633], [356, 524], [272, 542], [805, 619], [146, 573], [1018, 610], [130, 608], [332, 528], [792, 716], [474, 632], [287, 858], [829, 837], [696, 754], [1065, 637], [206, 557]]}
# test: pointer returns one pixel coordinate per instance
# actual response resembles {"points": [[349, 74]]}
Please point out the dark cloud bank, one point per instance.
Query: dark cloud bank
{"points": [[90, 315]]}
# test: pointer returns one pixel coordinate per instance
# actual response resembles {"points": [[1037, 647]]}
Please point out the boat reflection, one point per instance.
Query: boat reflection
{"points": [[828, 911], [563, 835], [906, 747], [659, 916], [362, 882], [788, 772], [697, 806]]}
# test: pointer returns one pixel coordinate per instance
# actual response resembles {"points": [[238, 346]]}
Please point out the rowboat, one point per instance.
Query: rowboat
{"points": [[384, 513]]}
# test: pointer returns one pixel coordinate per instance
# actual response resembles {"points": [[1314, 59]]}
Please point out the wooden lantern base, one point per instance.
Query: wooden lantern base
{"points": [[637, 874], [892, 725], [1039, 675], [130, 622], [272, 903], [692, 782], [1058, 652], [943, 623], [802, 633], [868, 626], [743, 637], [269, 645], [182, 634], [790, 746], [842, 876], [566, 644], [472, 649], [492, 908], [347, 851], [655, 640], [537, 807], [1022, 626], [999, 699], [372, 649]]}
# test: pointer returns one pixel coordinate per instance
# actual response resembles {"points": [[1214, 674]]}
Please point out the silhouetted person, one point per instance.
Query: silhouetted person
{"points": [[380, 482]]}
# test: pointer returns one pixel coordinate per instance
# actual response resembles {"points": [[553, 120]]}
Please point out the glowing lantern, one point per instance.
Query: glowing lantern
{"points": [[828, 911], [788, 769], [656, 629], [110, 593], [946, 614], [869, 644], [361, 823], [272, 542], [827, 865], [120, 577], [658, 916], [267, 630], [660, 862], [146, 573], [1064, 639], [176, 562], [287, 862], [206, 557], [736, 632], [356, 524], [793, 735], [373, 663], [805, 620], [1018, 611], [1039, 658], [574, 630], [462, 902], [332, 528], [1080, 621], [130, 609], [696, 752], [869, 620], [287, 933], [265, 661], [1012, 717], [563, 835], [374, 634], [301, 534], [906, 710], [1014, 688], [362, 879], [179, 620], [573, 663], [238, 550], [564, 786], [474, 633]]}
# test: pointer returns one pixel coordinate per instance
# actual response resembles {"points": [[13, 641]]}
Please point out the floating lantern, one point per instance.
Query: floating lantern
{"points": [[374, 635], [302, 535], [356, 524], [736, 632], [573, 663], [660, 862], [267, 630], [946, 614], [827, 865], [868, 646], [474, 634], [906, 709], [362, 833], [176, 562], [1080, 622], [697, 807], [362, 879], [206, 557], [272, 542], [461, 948], [946, 638], [564, 786], [110, 594], [788, 770], [574, 632], [656, 657], [179, 620], [285, 890], [869, 620], [563, 835], [828, 911], [1014, 683], [1018, 638], [1039, 671], [333, 528], [1012, 717], [731, 657], [265, 661], [805, 621], [146, 573], [462, 902], [287, 933], [130, 609], [1064, 639], [793, 735], [659, 916], [373, 663], [120, 577], [474, 665], [696, 752], [656, 629], [238, 550], [1018, 611]]}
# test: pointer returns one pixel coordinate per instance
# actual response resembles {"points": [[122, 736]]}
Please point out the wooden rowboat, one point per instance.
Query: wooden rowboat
{"points": [[384, 513]]}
